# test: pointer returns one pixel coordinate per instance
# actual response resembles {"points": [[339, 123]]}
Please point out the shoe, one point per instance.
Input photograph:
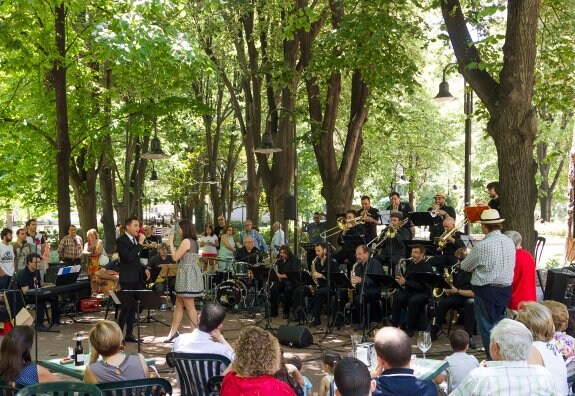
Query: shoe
{"points": [[472, 343], [172, 338], [435, 329], [131, 338], [286, 315], [314, 323], [43, 329], [163, 308]]}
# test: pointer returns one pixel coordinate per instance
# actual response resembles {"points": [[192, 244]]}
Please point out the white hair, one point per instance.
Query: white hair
{"points": [[513, 338], [515, 237]]}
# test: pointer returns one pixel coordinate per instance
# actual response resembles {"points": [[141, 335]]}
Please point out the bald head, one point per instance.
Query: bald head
{"points": [[393, 348]]}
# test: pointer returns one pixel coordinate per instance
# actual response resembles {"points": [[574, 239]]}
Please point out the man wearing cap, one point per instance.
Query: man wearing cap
{"points": [[442, 212], [491, 262]]}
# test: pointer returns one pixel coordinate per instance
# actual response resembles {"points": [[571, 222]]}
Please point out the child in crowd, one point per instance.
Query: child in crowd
{"points": [[460, 363], [296, 361], [326, 386], [352, 378]]}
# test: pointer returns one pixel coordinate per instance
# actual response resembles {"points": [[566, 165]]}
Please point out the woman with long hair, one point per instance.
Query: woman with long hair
{"points": [[227, 247], [107, 340], [93, 249], [16, 361], [189, 280]]}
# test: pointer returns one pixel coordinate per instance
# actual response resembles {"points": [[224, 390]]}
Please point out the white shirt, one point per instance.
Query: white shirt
{"points": [[7, 258], [553, 361], [36, 243], [209, 249], [277, 242], [199, 342]]}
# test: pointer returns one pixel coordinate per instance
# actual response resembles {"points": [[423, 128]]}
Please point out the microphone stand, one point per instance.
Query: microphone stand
{"points": [[328, 328], [267, 292], [362, 298]]}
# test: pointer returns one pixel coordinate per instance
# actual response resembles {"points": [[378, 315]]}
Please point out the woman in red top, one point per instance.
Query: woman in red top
{"points": [[258, 357], [523, 286]]}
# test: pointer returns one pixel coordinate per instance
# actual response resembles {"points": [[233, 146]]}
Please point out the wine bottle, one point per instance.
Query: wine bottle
{"points": [[79, 354]]}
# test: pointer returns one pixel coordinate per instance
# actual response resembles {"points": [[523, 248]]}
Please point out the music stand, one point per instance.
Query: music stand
{"points": [[299, 278], [145, 299], [385, 216], [467, 240], [432, 279], [420, 219], [385, 282], [337, 280], [265, 275], [429, 246], [168, 271], [310, 251]]}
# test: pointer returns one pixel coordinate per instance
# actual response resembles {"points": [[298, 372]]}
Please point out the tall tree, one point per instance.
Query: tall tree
{"points": [[508, 99]]}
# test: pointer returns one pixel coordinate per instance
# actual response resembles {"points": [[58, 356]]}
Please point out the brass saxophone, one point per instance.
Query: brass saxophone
{"points": [[448, 276], [313, 271], [351, 292]]}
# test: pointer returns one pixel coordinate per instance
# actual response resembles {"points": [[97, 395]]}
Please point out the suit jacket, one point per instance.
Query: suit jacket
{"points": [[130, 267]]}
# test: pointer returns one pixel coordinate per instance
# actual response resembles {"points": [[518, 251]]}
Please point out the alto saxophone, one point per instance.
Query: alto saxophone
{"points": [[313, 271], [351, 292]]}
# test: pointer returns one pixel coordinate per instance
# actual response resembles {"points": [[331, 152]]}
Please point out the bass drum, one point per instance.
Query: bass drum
{"points": [[230, 293]]}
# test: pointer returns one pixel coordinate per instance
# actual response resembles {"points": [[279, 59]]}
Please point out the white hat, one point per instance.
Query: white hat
{"points": [[491, 216]]}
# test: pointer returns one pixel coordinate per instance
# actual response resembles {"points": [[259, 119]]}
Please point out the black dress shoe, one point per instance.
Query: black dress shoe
{"points": [[131, 338]]}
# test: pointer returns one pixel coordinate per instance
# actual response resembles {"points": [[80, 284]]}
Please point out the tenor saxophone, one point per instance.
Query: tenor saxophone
{"points": [[313, 270], [351, 292]]}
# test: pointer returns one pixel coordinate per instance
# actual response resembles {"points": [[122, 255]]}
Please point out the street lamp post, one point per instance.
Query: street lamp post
{"points": [[267, 147], [445, 96]]}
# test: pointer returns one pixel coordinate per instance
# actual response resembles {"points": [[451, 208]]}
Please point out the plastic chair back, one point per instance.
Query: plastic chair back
{"points": [[9, 388], [61, 388], [196, 369], [141, 387]]}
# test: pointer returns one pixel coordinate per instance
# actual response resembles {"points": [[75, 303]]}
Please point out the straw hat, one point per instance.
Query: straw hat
{"points": [[491, 216], [440, 194]]}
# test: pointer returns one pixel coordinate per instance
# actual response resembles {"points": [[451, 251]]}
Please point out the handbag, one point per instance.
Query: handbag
{"points": [[103, 260]]}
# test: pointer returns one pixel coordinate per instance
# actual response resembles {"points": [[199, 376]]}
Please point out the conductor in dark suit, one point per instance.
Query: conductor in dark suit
{"points": [[129, 247]]}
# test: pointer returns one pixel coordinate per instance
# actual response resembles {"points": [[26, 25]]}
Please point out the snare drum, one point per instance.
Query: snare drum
{"points": [[209, 280], [240, 268], [222, 276], [230, 293]]}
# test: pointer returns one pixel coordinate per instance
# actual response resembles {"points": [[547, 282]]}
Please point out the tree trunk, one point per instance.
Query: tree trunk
{"points": [[570, 243], [107, 177], [509, 102], [63, 137]]}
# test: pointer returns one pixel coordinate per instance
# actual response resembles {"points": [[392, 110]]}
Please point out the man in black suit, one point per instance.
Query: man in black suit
{"points": [[129, 247]]}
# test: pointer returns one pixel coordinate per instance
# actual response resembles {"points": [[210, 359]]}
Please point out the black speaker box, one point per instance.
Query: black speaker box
{"points": [[298, 337], [559, 286], [289, 208]]}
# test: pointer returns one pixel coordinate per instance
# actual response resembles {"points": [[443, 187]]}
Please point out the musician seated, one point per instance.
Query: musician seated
{"points": [[446, 245], [320, 290], [391, 243], [364, 290], [286, 262], [248, 253], [414, 294], [459, 296], [350, 237], [29, 278], [154, 266]]}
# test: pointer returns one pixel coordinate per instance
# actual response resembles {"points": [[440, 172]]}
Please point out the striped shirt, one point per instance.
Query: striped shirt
{"points": [[507, 378], [492, 261]]}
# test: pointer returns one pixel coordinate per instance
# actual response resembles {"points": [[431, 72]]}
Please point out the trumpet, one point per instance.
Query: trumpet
{"points": [[363, 216], [341, 225], [434, 210]]}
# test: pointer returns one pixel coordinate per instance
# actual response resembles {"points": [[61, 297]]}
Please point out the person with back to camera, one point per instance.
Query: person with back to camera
{"points": [[189, 280], [258, 358], [537, 318], [16, 361], [107, 339], [329, 361], [460, 362], [563, 341], [352, 378]]}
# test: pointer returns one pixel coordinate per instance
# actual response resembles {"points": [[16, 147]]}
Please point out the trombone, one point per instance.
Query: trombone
{"points": [[341, 225]]}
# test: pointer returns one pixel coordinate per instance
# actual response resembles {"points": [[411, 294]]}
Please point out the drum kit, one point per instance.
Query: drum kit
{"points": [[232, 286]]}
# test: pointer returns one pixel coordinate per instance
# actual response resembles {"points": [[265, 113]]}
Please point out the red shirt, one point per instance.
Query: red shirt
{"points": [[254, 386], [523, 286]]}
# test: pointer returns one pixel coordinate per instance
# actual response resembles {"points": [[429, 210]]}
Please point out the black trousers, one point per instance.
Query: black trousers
{"points": [[414, 301], [129, 306], [286, 289], [42, 308], [454, 302], [298, 298], [368, 297]]}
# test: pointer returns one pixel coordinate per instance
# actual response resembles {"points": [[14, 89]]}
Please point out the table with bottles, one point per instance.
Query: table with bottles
{"points": [[70, 369]]}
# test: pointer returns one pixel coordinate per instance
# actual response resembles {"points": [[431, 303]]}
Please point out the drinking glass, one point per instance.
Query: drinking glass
{"points": [[424, 341], [355, 341]]}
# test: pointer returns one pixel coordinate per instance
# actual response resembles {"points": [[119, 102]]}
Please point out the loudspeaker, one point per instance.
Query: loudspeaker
{"points": [[298, 337], [559, 285], [289, 208]]}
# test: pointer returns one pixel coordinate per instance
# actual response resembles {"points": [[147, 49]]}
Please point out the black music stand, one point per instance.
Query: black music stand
{"points": [[338, 280], [386, 282], [145, 299], [310, 250], [429, 246], [266, 275], [420, 219], [431, 279]]}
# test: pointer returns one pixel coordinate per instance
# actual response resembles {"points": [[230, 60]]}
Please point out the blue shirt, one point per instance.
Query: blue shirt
{"points": [[400, 382], [28, 375]]}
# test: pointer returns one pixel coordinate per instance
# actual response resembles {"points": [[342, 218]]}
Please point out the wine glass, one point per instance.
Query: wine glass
{"points": [[424, 341]]}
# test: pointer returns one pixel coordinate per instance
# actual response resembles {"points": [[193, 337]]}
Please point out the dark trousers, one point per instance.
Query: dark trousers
{"points": [[298, 297], [455, 302], [490, 305], [286, 288], [129, 307], [5, 282], [414, 302], [369, 296], [42, 308]]}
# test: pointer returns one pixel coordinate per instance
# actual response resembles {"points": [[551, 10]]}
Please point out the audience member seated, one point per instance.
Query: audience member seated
{"points": [[329, 360], [394, 376], [508, 373], [564, 342], [537, 318], [107, 341], [352, 378], [258, 358], [16, 361], [208, 337], [296, 361], [289, 374], [460, 363]]}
